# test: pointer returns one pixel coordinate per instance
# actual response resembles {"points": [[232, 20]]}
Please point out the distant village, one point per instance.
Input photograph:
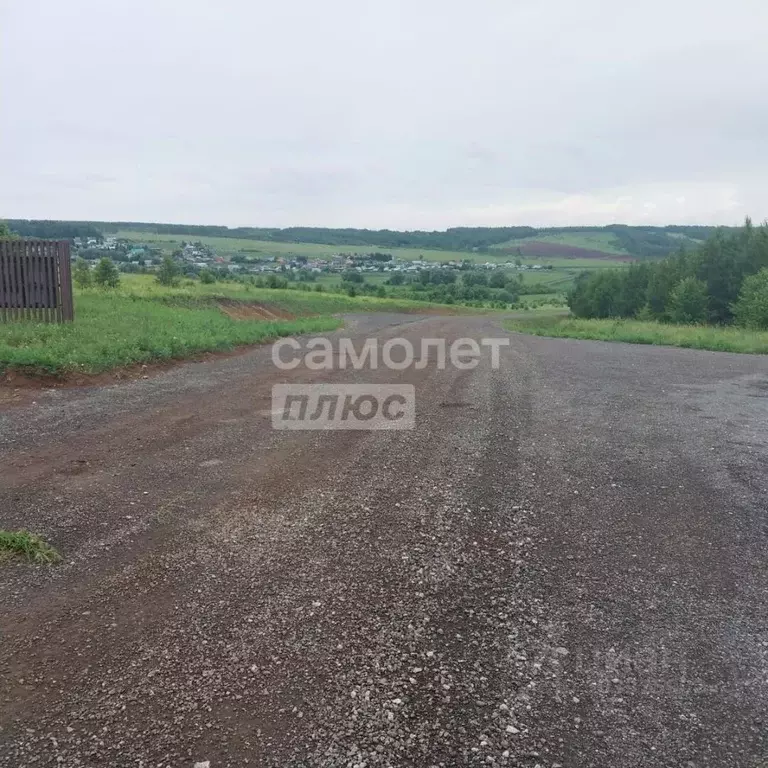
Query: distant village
{"points": [[194, 257]]}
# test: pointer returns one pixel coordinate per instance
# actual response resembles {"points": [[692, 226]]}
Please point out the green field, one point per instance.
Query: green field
{"points": [[262, 248], [143, 321], [259, 249], [593, 241], [716, 338]]}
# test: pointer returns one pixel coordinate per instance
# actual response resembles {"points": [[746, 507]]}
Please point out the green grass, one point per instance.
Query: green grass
{"points": [[606, 242], [144, 322], [542, 301], [115, 330], [193, 293], [27, 545], [716, 338]]}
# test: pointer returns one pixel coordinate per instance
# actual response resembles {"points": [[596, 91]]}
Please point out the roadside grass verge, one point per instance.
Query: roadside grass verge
{"points": [[27, 545], [115, 330], [143, 322], [298, 302], [715, 338]]}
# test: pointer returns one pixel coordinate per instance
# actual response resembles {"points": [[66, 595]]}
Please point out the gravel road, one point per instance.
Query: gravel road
{"points": [[564, 564]]}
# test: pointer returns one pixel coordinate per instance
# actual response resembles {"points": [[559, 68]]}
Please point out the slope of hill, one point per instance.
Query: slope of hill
{"points": [[616, 241], [601, 241]]}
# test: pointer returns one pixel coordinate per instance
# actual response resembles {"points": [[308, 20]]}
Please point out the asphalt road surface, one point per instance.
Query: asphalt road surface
{"points": [[563, 564]]}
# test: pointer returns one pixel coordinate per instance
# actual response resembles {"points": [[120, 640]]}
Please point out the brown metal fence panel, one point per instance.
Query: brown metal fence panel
{"points": [[35, 281]]}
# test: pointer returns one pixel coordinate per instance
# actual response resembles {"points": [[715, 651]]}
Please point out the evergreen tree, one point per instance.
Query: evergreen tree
{"points": [[688, 301], [671, 289], [718, 267], [751, 309]]}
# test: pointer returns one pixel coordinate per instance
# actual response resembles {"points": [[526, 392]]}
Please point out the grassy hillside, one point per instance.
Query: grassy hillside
{"points": [[483, 243], [264, 248], [601, 242], [259, 249]]}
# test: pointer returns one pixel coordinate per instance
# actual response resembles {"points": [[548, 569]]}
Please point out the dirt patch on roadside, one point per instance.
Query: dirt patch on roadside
{"points": [[245, 310], [22, 387]]}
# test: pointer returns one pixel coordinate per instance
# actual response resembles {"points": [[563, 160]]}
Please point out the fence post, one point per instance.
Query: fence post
{"points": [[65, 270]]}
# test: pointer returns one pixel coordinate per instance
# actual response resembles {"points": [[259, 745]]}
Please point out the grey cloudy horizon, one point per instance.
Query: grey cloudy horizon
{"points": [[419, 114]]}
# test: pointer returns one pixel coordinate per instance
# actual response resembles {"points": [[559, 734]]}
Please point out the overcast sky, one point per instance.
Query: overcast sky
{"points": [[387, 113]]}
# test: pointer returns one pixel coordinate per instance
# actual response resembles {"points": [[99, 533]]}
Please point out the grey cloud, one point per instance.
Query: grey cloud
{"points": [[409, 113]]}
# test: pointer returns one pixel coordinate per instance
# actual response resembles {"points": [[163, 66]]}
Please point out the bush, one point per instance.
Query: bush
{"points": [[273, 281], [688, 301], [82, 273], [497, 280], [751, 308], [207, 277], [168, 272], [106, 275]]}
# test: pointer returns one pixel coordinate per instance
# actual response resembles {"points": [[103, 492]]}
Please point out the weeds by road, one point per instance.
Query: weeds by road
{"points": [[27, 545], [716, 338]]}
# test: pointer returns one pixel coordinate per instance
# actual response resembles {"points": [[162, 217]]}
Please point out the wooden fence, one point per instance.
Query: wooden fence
{"points": [[35, 281]]}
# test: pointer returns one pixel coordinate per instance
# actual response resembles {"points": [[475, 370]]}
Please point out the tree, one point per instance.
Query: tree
{"points": [[474, 278], [689, 302], [660, 283], [4, 231], [169, 271], [751, 308], [352, 277], [273, 281], [207, 277], [497, 279], [633, 290], [718, 267], [82, 273], [106, 275]]}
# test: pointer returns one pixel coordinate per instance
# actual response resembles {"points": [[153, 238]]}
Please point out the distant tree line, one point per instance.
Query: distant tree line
{"points": [[723, 280], [54, 230], [640, 242]]}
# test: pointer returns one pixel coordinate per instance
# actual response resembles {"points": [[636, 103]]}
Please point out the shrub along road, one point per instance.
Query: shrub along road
{"points": [[563, 564]]}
